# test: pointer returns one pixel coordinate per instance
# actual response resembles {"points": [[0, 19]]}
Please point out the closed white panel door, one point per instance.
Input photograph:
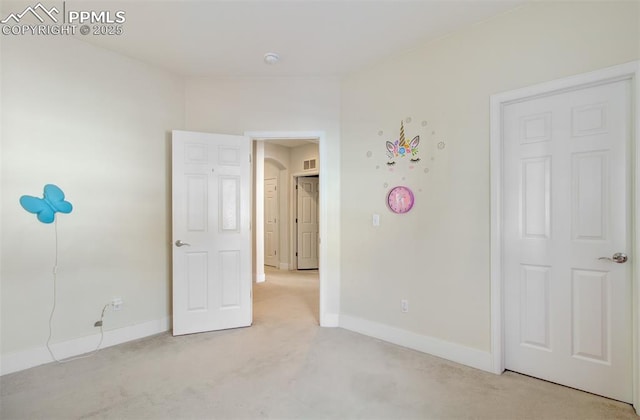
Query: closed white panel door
{"points": [[308, 226], [567, 212], [271, 227], [211, 237]]}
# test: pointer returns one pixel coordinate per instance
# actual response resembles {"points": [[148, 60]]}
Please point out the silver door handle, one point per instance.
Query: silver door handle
{"points": [[179, 243], [618, 257]]}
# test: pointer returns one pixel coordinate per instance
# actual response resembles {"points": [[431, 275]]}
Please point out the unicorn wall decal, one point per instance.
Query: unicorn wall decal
{"points": [[402, 148]]}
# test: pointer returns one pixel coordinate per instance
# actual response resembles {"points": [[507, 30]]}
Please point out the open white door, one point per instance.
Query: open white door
{"points": [[211, 232], [308, 224]]}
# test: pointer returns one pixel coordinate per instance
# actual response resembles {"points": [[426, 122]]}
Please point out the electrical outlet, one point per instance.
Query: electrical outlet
{"points": [[116, 303], [404, 305]]}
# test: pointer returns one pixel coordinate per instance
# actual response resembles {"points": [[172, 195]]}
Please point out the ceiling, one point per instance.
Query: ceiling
{"points": [[314, 38]]}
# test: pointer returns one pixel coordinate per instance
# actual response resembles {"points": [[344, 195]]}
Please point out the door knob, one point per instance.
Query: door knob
{"points": [[179, 243], [618, 257]]}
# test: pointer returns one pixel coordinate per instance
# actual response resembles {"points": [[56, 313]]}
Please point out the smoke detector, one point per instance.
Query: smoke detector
{"points": [[271, 58]]}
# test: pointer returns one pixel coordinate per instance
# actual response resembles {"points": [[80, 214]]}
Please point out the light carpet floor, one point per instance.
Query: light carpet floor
{"points": [[284, 367]]}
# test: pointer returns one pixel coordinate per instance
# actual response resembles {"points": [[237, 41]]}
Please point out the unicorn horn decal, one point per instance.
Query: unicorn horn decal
{"points": [[402, 142]]}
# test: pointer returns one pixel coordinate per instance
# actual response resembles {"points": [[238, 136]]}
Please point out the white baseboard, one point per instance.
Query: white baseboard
{"points": [[284, 266], [329, 320], [260, 277], [14, 362], [455, 352]]}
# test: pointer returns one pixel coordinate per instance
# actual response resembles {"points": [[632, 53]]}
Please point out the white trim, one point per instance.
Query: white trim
{"points": [[14, 362], [293, 228], [258, 205], [330, 320], [635, 224], [326, 320], [629, 71], [455, 352], [284, 266], [310, 173]]}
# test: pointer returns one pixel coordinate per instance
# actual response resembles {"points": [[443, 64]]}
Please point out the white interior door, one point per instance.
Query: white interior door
{"points": [[271, 225], [211, 232], [567, 204], [307, 222]]}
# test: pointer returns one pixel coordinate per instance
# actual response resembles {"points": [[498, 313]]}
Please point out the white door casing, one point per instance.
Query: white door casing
{"points": [[271, 224], [211, 232], [328, 260], [307, 222], [550, 162]]}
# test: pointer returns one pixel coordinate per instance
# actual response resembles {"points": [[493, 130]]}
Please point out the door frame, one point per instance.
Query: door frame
{"points": [[628, 71], [320, 136]]}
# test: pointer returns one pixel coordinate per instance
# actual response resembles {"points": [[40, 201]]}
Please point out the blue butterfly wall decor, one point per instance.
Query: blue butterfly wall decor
{"points": [[45, 208]]}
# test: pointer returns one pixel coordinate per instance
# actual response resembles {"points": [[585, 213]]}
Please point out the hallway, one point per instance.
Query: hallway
{"points": [[298, 291]]}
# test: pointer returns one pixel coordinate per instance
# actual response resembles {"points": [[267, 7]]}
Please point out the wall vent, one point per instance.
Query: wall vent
{"points": [[309, 164]]}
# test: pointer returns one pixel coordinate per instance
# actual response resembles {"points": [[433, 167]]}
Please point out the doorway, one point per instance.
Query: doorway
{"points": [[564, 303], [259, 140]]}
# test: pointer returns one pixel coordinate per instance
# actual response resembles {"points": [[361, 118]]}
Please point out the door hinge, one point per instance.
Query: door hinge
{"points": [[296, 254], [275, 252], [249, 157], [296, 187], [296, 220]]}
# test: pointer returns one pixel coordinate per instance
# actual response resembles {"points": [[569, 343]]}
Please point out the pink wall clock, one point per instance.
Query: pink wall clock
{"points": [[400, 199]]}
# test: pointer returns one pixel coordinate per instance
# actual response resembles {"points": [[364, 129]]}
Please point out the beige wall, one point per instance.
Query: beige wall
{"points": [[437, 256], [300, 154], [237, 105], [97, 124], [271, 170]]}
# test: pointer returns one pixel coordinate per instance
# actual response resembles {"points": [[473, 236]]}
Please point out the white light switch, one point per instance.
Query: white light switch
{"points": [[376, 219]]}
